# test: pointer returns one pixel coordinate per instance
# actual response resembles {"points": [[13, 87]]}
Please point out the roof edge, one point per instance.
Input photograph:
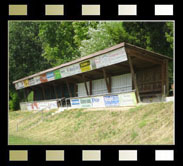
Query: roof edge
{"points": [[74, 61]]}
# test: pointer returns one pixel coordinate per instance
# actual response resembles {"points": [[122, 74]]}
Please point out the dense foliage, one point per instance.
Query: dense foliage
{"points": [[35, 46]]}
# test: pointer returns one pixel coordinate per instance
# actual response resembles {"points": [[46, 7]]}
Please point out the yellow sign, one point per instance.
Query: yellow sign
{"points": [[26, 83], [85, 66]]}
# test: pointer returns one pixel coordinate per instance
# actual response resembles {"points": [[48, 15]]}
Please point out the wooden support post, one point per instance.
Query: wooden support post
{"points": [[133, 78], [167, 79], [67, 83], [90, 87], [75, 90], [108, 84], [86, 87], [62, 91], [55, 91], [43, 92], [25, 95]]}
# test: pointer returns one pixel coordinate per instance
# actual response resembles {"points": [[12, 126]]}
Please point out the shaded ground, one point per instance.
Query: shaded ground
{"points": [[145, 124]]}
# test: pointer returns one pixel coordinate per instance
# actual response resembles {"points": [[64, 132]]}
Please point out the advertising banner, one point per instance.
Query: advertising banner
{"points": [[43, 78], [26, 83], [50, 76], [19, 85], [111, 58], [31, 82], [75, 103], [37, 80], [98, 101], [57, 74], [127, 99], [29, 106], [85, 66], [53, 105], [111, 100], [86, 102], [23, 106], [70, 70]]}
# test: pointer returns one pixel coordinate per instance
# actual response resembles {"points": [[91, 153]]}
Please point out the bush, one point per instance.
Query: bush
{"points": [[14, 102]]}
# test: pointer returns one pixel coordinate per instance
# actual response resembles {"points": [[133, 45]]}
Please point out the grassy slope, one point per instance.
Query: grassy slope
{"points": [[148, 124]]}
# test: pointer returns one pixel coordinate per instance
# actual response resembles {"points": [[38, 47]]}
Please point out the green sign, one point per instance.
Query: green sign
{"points": [[86, 102], [57, 74]]}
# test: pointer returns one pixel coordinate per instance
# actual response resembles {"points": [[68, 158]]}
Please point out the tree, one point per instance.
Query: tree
{"points": [[58, 42], [25, 49]]}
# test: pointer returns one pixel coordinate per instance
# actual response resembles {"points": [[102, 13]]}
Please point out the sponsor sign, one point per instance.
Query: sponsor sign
{"points": [[43, 78], [29, 106], [111, 100], [111, 58], [39, 105], [31, 82], [70, 70], [50, 76], [26, 83], [53, 105], [19, 85], [75, 103], [98, 101], [57, 74], [37, 80], [85, 66], [86, 102], [127, 99], [23, 106]]}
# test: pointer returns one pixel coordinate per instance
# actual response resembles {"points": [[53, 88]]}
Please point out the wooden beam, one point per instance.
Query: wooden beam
{"points": [[133, 78], [68, 87], [86, 87], [106, 81]]}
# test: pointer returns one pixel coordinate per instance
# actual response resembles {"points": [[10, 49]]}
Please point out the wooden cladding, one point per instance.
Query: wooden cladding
{"points": [[152, 79]]}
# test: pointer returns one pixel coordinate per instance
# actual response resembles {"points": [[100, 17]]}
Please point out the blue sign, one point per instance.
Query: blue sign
{"points": [[75, 102], [112, 100], [50, 76]]}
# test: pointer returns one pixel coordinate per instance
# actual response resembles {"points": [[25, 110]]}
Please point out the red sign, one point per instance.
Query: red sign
{"points": [[43, 78]]}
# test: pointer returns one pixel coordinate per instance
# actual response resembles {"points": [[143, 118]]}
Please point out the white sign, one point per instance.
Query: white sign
{"points": [[127, 99], [19, 85], [37, 80], [111, 58], [53, 105], [31, 82], [98, 101], [70, 70]]}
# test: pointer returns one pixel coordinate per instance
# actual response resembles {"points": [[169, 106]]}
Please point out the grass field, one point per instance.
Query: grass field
{"points": [[145, 124]]}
